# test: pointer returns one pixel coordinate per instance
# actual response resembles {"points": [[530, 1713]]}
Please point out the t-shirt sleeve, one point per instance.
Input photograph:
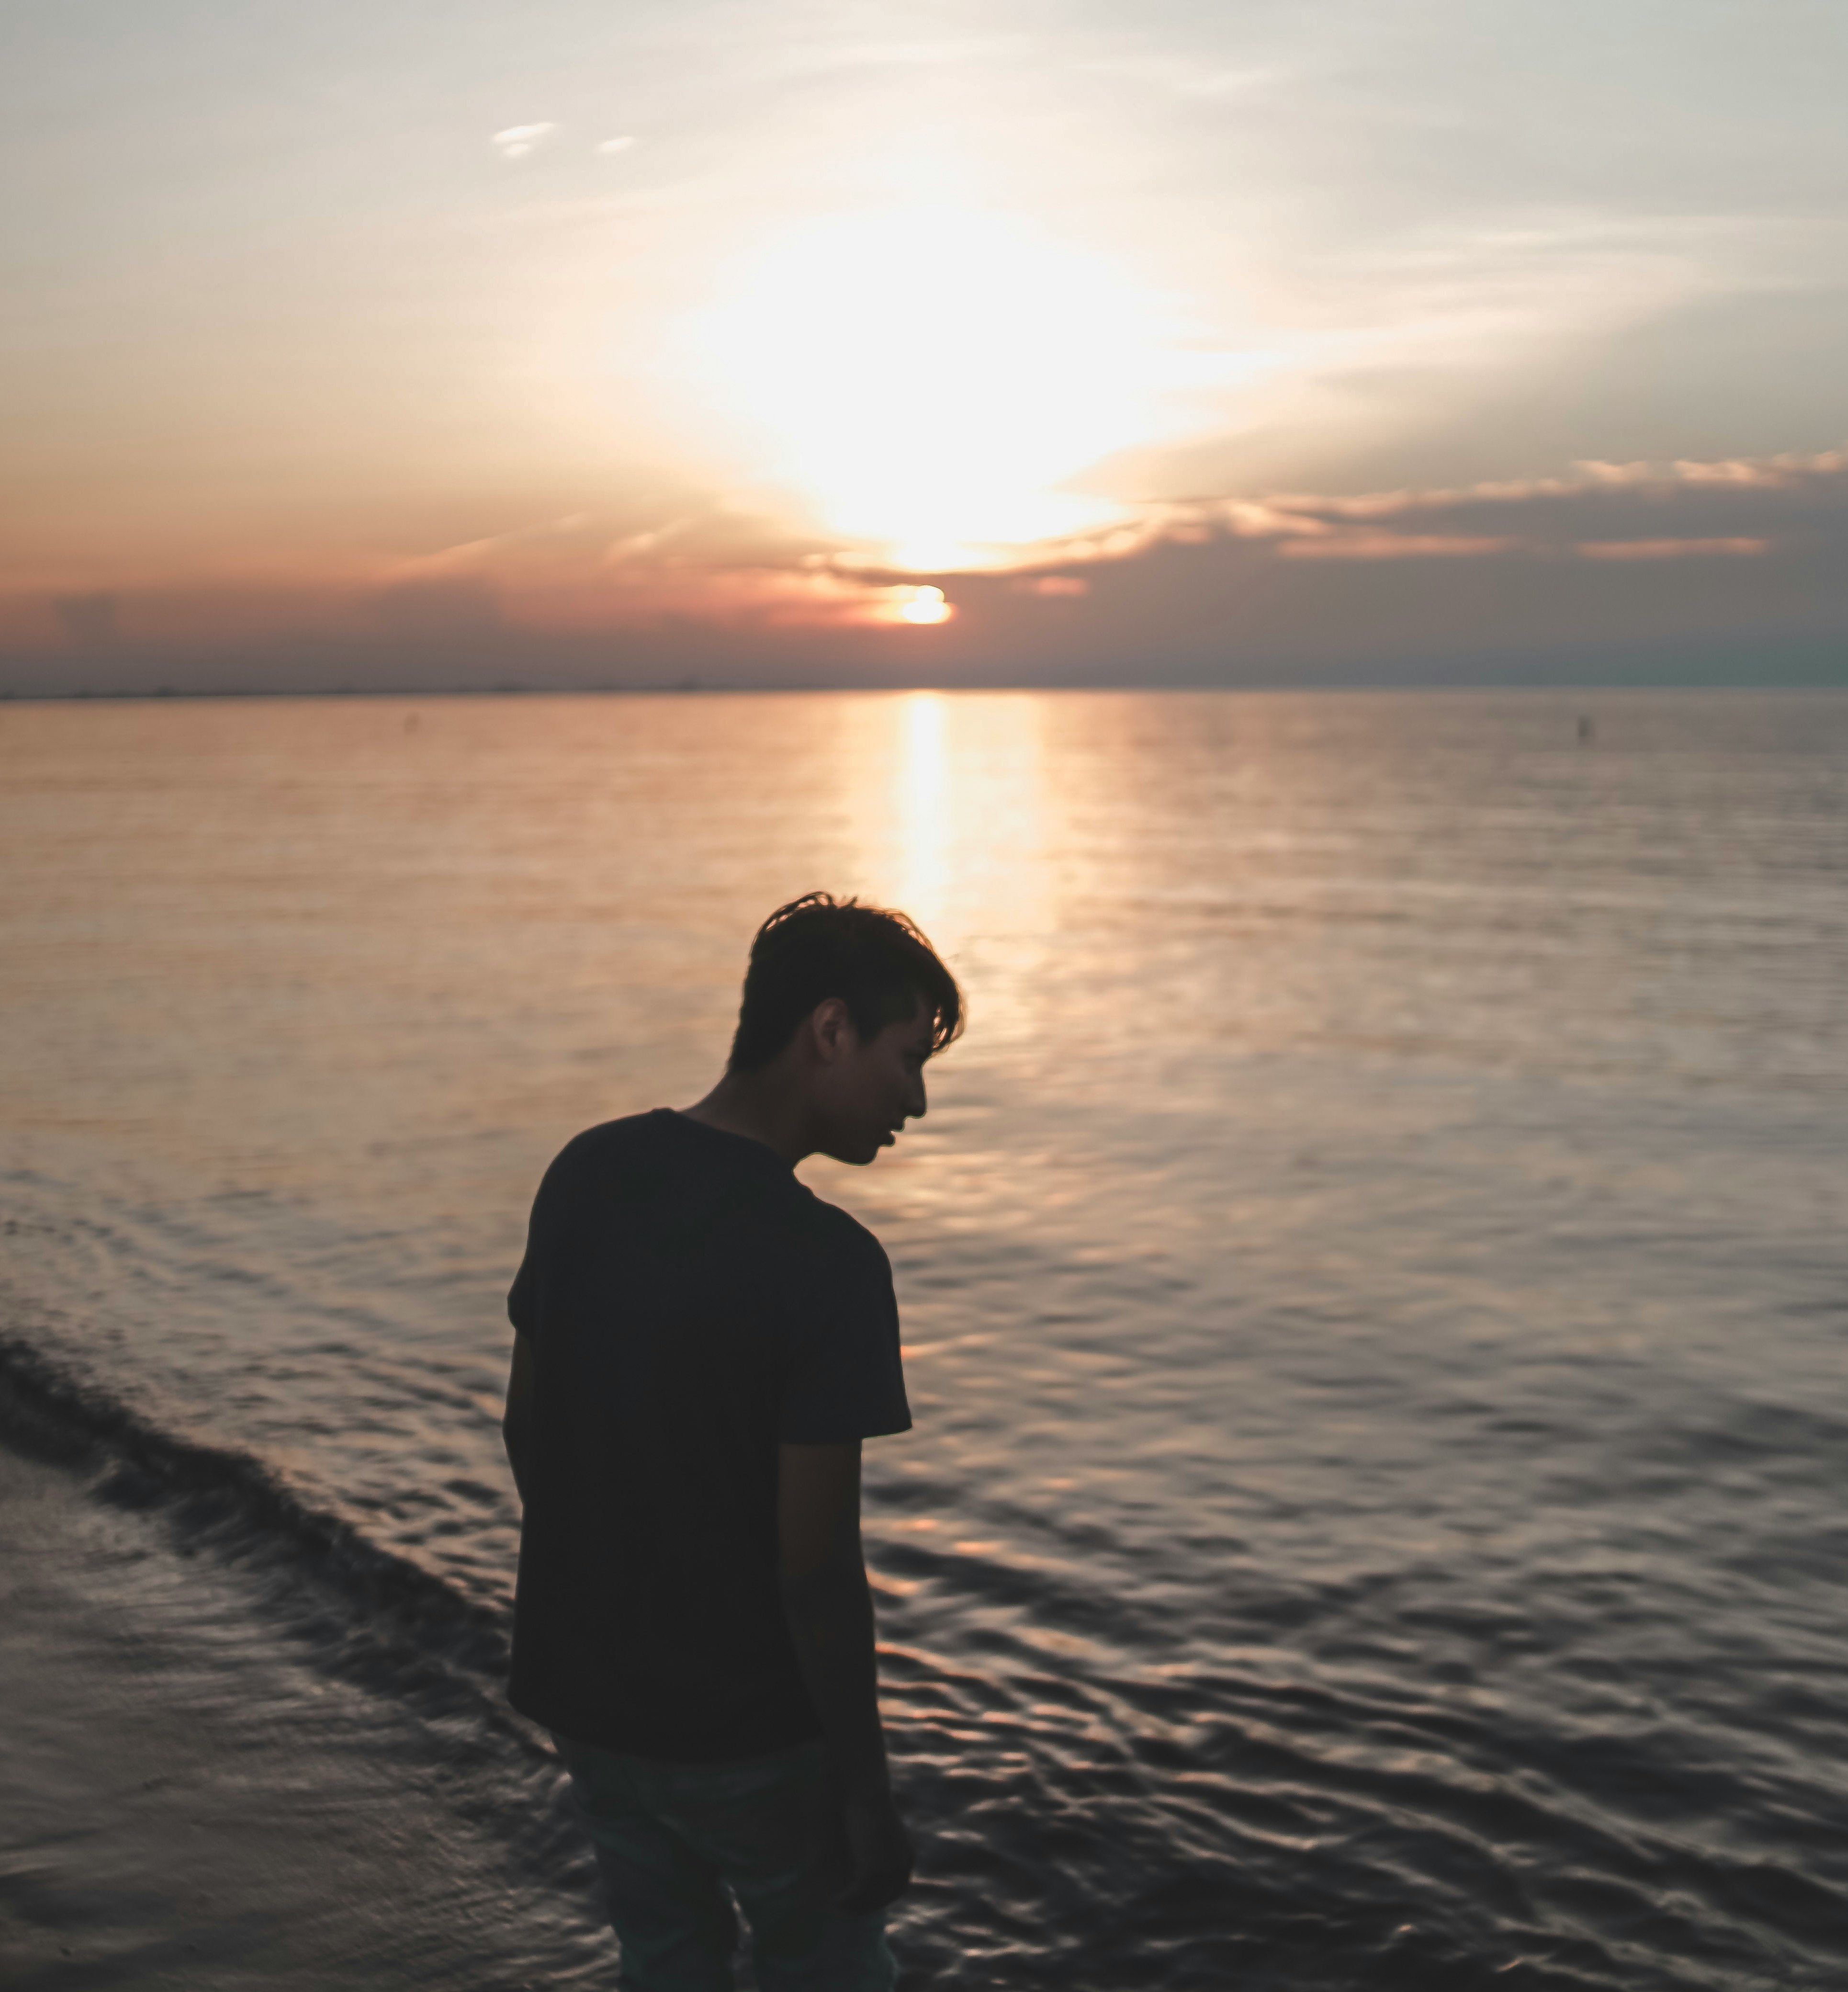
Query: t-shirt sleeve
{"points": [[520, 1310], [559, 1198], [524, 1297], [845, 1380]]}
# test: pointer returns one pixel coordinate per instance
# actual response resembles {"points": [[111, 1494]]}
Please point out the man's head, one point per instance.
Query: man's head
{"points": [[856, 1000]]}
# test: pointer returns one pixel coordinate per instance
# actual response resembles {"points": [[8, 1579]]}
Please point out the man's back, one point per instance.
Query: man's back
{"points": [[701, 1347], [690, 1307]]}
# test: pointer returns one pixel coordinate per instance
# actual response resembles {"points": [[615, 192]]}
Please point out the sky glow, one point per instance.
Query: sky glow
{"points": [[551, 343], [926, 377]]}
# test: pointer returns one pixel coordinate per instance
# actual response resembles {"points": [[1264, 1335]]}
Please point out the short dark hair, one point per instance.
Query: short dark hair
{"points": [[817, 947]]}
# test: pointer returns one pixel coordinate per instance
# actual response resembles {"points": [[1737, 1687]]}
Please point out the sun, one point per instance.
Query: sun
{"points": [[926, 376], [927, 604]]}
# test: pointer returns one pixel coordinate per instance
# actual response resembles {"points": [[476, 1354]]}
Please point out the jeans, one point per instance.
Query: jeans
{"points": [[672, 1838]]}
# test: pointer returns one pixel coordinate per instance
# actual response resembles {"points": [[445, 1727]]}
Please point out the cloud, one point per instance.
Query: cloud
{"points": [[1394, 546], [1666, 549], [609, 146], [518, 140], [543, 538], [1547, 557], [722, 566], [1726, 569], [1685, 509]]}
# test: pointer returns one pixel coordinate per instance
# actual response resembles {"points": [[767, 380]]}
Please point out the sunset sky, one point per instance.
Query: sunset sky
{"points": [[566, 343]]}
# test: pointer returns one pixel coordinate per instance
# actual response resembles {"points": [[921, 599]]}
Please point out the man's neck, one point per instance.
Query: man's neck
{"points": [[761, 1107]]}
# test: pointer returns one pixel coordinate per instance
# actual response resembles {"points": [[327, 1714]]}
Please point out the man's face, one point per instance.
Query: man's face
{"points": [[871, 1086]]}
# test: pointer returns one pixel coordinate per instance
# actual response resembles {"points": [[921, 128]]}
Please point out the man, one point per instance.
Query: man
{"points": [[700, 1345]]}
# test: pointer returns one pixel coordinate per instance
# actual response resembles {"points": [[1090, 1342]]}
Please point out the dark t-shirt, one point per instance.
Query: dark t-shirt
{"points": [[690, 1305]]}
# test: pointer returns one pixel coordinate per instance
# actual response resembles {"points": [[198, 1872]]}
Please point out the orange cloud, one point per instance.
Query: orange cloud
{"points": [[1394, 546], [1624, 550], [1678, 504], [703, 586]]}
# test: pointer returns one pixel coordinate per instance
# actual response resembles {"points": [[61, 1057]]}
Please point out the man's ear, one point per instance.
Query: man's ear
{"points": [[832, 1029]]}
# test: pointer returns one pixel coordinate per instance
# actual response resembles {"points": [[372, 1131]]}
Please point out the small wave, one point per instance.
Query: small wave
{"points": [[366, 1612]]}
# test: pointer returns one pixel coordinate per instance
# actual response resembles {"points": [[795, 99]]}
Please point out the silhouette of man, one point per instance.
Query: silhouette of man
{"points": [[700, 1345]]}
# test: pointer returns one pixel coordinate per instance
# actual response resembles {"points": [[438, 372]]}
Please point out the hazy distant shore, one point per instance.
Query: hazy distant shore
{"points": [[1776, 664]]}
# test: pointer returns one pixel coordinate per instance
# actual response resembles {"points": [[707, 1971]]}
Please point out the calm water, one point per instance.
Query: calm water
{"points": [[1374, 1274]]}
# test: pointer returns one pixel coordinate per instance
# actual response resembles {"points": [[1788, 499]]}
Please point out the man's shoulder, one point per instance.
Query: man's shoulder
{"points": [[609, 1145], [841, 1236], [608, 1137]]}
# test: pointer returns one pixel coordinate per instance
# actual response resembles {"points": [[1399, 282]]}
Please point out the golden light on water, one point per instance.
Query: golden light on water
{"points": [[963, 830], [926, 824]]}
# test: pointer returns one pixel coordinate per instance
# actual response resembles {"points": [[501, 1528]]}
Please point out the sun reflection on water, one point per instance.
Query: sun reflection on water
{"points": [[957, 817], [926, 824]]}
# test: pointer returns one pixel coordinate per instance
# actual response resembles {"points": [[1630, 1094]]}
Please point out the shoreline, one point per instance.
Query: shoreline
{"points": [[193, 1804]]}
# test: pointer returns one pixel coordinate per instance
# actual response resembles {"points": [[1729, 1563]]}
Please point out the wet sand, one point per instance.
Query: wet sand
{"points": [[185, 1810]]}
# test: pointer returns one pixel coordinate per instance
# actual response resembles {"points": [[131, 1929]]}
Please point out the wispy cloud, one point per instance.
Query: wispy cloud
{"points": [[1667, 549], [518, 140], [1739, 552], [732, 567], [1684, 510], [544, 536], [1394, 546]]}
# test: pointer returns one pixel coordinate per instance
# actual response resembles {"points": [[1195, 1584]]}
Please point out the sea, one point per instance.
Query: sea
{"points": [[1374, 1278]]}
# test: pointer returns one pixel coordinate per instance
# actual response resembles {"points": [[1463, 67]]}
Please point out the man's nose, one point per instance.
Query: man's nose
{"points": [[914, 1105]]}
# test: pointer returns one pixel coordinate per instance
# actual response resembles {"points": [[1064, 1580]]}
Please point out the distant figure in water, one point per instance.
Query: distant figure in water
{"points": [[1586, 731], [700, 1345]]}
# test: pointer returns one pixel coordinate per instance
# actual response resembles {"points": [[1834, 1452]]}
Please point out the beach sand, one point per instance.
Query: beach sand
{"points": [[191, 1803]]}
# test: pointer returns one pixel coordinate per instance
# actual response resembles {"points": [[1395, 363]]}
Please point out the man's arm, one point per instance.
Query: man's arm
{"points": [[516, 1426], [830, 1611]]}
